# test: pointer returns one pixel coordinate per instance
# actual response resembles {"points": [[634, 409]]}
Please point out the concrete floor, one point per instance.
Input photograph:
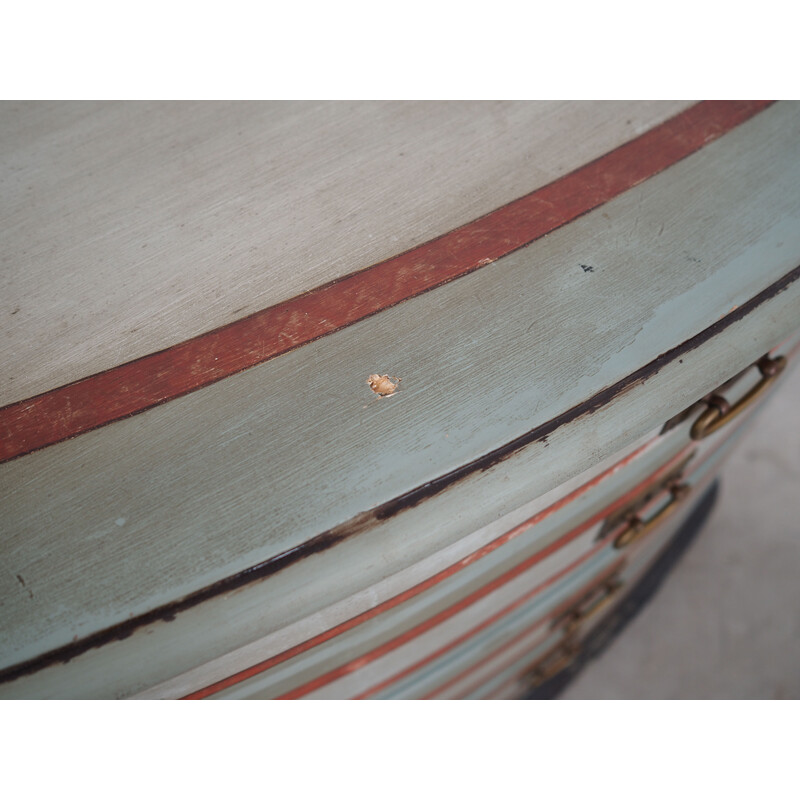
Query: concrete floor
{"points": [[726, 622]]}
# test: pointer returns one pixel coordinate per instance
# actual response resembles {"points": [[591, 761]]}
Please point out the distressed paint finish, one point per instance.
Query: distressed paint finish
{"points": [[540, 388], [91, 674], [131, 388], [570, 503], [172, 219]]}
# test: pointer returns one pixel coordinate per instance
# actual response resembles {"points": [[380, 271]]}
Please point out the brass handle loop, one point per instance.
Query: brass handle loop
{"points": [[592, 605], [551, 664], [720, 412], [638, 528], [567, 650]]}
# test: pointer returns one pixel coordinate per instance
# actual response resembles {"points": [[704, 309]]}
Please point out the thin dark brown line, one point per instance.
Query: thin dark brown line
{"points": [[369, 519], [149, 381]]}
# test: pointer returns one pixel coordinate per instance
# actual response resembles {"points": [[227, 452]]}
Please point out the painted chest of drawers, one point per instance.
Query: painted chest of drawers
{"points": [[202, 495]]}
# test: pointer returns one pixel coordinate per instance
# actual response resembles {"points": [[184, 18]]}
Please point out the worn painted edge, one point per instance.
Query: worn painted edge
{"points": [[369, 519], [130, 388]]}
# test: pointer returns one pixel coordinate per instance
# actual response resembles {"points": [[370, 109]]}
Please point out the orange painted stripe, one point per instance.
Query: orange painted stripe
{"points": [[488, 588], [555, 614], [128, 389], [418, 588]]}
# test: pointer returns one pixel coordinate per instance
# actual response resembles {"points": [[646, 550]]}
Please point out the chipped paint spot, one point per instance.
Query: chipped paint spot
{"points": [[383, 385]]}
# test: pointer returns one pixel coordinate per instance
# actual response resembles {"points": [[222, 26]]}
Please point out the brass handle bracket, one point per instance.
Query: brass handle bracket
{"points": [[551, 664], [638, 528], [720, 412]]}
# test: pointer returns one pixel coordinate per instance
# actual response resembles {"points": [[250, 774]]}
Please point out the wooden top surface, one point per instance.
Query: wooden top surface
{"points": [[131, 227], [152, 508]]}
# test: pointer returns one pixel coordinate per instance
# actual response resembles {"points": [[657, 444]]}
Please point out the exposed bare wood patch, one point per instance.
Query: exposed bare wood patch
{"points": [[383, 385]]}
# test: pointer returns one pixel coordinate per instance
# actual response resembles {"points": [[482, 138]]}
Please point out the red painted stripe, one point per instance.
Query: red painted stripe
{"points": [[134, 387], [413, 591], [523, 566]]}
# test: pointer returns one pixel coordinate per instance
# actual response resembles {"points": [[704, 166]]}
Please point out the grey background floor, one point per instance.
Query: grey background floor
{"points": [[726, 622]]}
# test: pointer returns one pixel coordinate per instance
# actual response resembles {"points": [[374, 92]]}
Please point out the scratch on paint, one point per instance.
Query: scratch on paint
{"points": [[22, 583]]}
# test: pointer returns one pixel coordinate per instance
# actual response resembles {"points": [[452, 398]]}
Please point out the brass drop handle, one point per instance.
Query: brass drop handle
{"points": [[637, 527], [551, 664], [563, 654], [592, 605], [720, 411]]}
